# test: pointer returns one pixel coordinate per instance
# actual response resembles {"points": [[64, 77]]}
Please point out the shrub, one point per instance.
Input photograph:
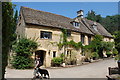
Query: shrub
{"points": [[57, 61], [108, 54], [115, 52], [23, 48], [95, 55], [21, 62]]}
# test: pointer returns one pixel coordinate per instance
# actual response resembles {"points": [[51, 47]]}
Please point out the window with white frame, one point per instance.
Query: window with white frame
{"points": [[45, 35], [76, 24]]}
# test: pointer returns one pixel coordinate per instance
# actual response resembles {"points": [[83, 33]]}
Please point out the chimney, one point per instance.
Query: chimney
{"points": [[80, 13]]}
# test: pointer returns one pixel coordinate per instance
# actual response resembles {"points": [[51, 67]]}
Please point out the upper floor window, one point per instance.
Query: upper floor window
{"points": [[68, 33], [95, 26], [89, 39], [76, 24], [46, 35], [82, 38]]}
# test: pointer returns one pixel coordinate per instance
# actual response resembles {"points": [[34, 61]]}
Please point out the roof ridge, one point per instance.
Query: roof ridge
{"points": [[45, 12]]}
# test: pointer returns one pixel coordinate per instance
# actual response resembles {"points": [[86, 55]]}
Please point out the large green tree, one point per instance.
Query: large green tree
{"points": [[117, 40], [8, 30]]}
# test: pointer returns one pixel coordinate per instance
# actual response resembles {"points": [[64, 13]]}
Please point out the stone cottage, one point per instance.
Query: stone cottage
{"points": [[47, 28]]}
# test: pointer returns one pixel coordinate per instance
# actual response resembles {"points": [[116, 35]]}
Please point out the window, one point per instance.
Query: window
{"points": [[89, 39], [54, 54], [69, 53], [19, 24], [76, 24], [68, 33], [95, 26], [82, 38], [46, 35]]}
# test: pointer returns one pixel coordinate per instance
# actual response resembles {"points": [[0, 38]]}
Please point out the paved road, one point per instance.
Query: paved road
{"points": [[92, 70]]}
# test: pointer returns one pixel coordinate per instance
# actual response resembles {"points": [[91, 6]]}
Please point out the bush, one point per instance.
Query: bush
{"points": [[57, 61], [21, 62], [23, 48], [108, 54], [115, 52], [95, 55]]}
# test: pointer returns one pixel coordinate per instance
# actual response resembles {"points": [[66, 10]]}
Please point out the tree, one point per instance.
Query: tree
{"points": [[24, 49], [117, 41], [8, 23], [91, 15]]}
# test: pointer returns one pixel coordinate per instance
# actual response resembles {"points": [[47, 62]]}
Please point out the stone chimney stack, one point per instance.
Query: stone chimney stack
{"points": [[80, 13]]}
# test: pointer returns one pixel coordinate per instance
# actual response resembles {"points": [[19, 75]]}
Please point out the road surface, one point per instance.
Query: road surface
{"points": [[92, 70]]}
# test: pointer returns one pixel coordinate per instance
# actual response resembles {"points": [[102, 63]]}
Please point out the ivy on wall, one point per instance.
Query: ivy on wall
{"points": [[65, 43]]}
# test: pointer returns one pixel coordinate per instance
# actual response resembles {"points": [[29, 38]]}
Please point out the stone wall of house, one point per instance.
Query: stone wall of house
{"points": [[50, 45], [20, 30]]}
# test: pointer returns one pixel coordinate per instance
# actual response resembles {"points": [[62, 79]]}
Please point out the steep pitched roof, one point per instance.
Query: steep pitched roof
{"points": [[38, 17], [100, 29], [42, 18]]}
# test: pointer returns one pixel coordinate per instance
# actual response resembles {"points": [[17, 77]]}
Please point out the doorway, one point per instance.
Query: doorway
{"points": [[42, 55]]}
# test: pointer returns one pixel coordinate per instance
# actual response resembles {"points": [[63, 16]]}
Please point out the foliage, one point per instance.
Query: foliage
{"points": [[117, 44], [74, 44], [21, 62], [111, 23], [62, 55], [107, 46], [8, 31], [23, 48], [108, 54], [57, 61], [117, 57], [97, 45], [117, 41], [115, 52], [94, 55], [68, 43]]}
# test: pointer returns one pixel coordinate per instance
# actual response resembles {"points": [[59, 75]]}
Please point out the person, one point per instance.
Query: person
{"points": [[37, 65]]}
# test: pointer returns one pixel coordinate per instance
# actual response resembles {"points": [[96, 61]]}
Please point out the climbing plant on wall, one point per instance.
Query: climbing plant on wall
{"points": [[65, 43]]}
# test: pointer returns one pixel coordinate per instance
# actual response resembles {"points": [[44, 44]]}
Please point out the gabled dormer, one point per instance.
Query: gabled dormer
{"points": [[95, 26], [76, 24]]}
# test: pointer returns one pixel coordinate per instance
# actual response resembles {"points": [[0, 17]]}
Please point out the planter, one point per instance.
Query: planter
{"points": [[63, 65], [118, 64]]}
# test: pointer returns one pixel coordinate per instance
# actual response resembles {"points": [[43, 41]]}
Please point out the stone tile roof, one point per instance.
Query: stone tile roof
{"points": [[42, 18], [100, 28]]}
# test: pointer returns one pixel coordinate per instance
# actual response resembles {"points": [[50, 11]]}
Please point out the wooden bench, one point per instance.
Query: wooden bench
{"points": [[114, 70]]}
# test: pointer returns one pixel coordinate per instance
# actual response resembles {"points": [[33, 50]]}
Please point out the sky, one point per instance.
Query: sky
{"points": [[69, 9], [64, 0]]}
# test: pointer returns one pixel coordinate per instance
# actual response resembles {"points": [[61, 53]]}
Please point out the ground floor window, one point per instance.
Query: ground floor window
{"points": [[54, 54], [69, 53]]}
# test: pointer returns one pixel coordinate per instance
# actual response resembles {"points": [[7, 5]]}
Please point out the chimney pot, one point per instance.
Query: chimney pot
{"points": [[80, 13]]}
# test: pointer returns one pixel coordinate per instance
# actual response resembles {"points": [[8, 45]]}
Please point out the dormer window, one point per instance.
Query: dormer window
{"points": [[95, 26], [76, 24]]}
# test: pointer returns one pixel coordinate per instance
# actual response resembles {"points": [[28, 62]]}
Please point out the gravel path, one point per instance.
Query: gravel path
{"points": [[92, 70]]}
